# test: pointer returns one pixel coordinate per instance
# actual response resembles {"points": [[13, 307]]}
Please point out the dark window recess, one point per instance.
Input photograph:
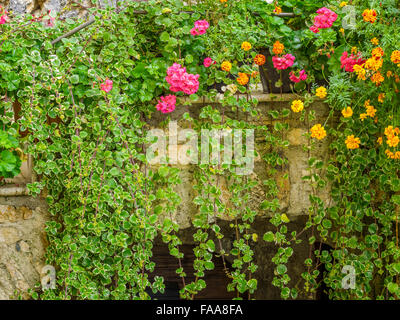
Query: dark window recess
{"points": [[166, 265], [322, 291]]}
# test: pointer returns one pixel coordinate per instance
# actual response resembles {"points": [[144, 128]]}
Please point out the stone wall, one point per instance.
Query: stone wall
{"points": [[22, 218]]}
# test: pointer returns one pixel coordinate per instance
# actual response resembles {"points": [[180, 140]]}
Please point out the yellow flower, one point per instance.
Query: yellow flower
{"points": [[278, 47], [354, 50], [222, 1], [347, 112], [360, 71], [246, 46], [381, 97], [341, 30], [380, 140], [393, 141], [375, 41], [363, 116], [352, 142], [395, 57], [318, 132], [226, 66], [321, 92], [371, 111], [373, 64], [343, 4], [297, 106]]}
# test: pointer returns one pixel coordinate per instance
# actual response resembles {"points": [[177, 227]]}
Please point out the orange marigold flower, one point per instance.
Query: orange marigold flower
{"points": [[277, 10], [381, 97], [246, 46], [389, 131], [259, 59], [318, 132], [369, 15], [389, 154], [297, 105], [389, 74], [380, 140], [375, 41], [378, 53], [226, 66], [243, 78], [352, 142], [347, 112], [278, 48], [395, 57], [377, 78], [373, 64], [254, 74], [397, 155]]}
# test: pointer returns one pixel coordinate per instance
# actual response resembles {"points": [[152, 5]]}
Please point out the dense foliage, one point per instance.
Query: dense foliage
{"points": [[86, 101]]}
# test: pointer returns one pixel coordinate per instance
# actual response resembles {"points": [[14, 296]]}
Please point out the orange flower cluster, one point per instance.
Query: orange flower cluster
{"points": [[243, 78], [369, 15], [278, 48], [395, 57], [259, 59], [226, 66]]}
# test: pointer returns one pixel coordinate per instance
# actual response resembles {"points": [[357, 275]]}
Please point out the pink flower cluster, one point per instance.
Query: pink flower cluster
{"points": [[323, 20], [348, 62], [4, 18], [166, 104], [180, 80], [302, 76], [106, 86], [200, 27], [284, 62], [208, 62]]}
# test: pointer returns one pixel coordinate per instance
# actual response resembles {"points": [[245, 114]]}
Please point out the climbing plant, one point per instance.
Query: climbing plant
{"points": [[83, 101]]}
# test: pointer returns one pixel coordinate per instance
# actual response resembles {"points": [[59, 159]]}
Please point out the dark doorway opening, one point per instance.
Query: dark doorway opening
{"points": [[166, 266], [322, 292]]}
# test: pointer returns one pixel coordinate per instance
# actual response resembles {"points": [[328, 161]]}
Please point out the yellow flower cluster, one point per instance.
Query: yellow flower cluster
{"points": [[392, 136], [392, 155], [246, 46], [321, 92], [343, 4], [297, 106], [352, 142], [360, 71], [370, 111], [318, 132], [375, 41], [226, 66], [347, 112]]}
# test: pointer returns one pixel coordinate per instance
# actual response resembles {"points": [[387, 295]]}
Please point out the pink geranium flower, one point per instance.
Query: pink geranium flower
{"points": [[302, 76], [208, 62], [4, 18], [166, 104], [348, 62], [324, 19], [200, 27], [180, 80], [107, 85], [284, 62]]}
